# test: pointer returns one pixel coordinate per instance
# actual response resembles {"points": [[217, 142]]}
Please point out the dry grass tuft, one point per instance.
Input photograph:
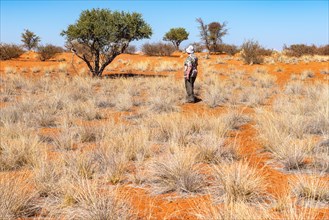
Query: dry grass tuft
{"points": [[239, 182], [10, 70], [167, 66], [238, 211], [16, 196], [176, 173], [19, 149], [311, 188]]}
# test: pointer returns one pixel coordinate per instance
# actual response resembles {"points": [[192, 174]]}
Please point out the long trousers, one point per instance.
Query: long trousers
{"points": [[189, 86]]}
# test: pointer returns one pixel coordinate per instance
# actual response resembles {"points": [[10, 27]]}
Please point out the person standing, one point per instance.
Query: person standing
{"points": [[190, 73]]}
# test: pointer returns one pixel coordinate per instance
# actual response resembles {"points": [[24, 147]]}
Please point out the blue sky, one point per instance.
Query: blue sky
{"points": [[271, 23]]}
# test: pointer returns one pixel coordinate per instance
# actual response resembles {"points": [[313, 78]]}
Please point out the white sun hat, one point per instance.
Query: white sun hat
{"points": [[190, 49]]}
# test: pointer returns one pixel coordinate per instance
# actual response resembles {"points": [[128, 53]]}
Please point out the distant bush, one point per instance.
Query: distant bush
{"points": [[323, 50], [158, 49], [198, 47], [229, 49], [298, 50], [9, 51], [253, 52], [131, 49], [49, 51]]}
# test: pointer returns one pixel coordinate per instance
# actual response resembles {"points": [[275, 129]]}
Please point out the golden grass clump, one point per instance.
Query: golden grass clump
{"points": [[176, 172], [17, 196], [239, 182]]}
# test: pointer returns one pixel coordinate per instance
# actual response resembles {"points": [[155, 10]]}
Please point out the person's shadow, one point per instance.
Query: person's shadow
{"points": [[197, 99]]}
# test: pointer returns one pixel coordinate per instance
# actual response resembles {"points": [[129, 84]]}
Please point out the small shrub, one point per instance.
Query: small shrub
{"points": [[158, 49], [323, 50], [49, 51], [198, 48], [10, 51], [229, 49], [252, 52], [298, 50]]}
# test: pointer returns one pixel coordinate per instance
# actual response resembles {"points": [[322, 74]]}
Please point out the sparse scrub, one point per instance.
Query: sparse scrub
{"points": [[123, 101], [81, 165], [229, 49], [214, 151], [142, 66], [252, 52], [240, 210], [49, 51], [261, 78], [19, 150], [167, 66], [163, 104], [62, 67], [111, 163], [253, 97], [49, 177], [93, 201], [10, 51], [295, 87], [239, 182], [16, 196], [158, 49], [234, 119], [35, 69], [307, 74], [85, 111], [216, 93], [311, 189], [176, 173], [10, 70], [298, 50], [67, 138]]}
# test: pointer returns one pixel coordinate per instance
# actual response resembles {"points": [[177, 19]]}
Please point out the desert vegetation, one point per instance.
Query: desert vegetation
{"points": [[125, 145], [71, 144]]}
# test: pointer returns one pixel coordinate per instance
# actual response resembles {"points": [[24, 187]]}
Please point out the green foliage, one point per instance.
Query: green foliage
{"points": [[49, 51], [158, 49], [252, 52], [9, 51], [104, 34], [30, 40], [176, 36]]}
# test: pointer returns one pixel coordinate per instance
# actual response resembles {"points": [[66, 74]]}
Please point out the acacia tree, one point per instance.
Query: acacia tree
{"points": [[212, 34], [100, 35], [176, 36], [30, 40]]}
